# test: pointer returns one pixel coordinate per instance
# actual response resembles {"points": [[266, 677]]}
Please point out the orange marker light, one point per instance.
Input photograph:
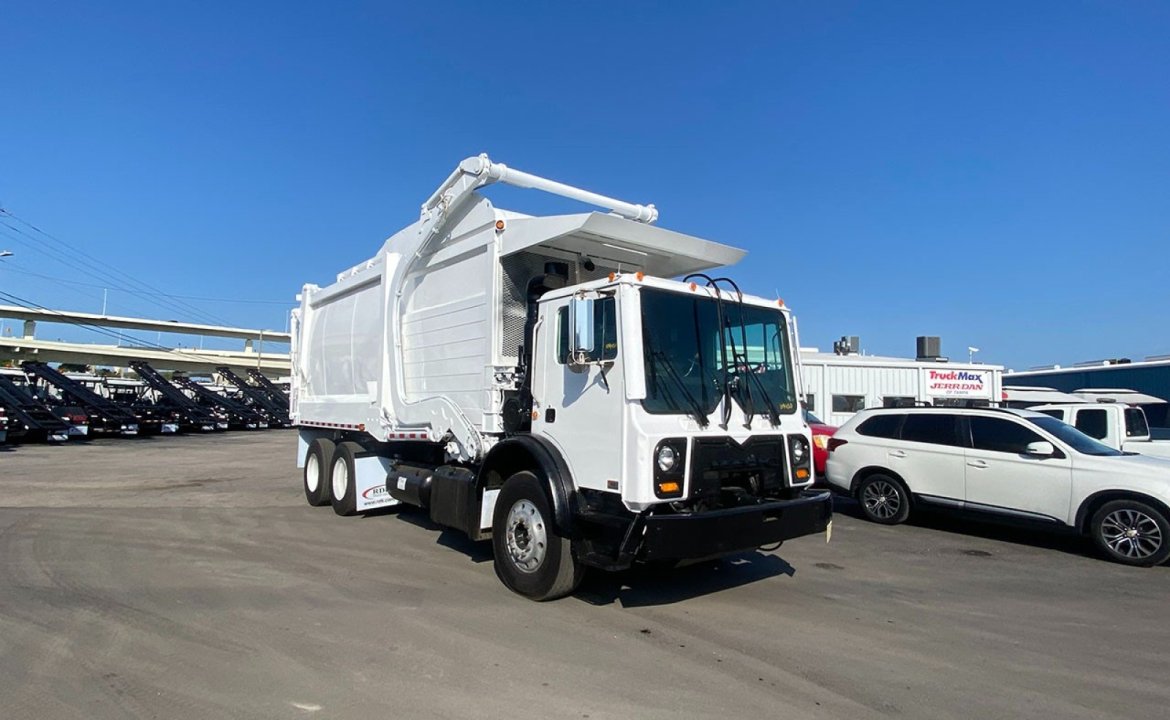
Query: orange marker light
{"points": [[640, 275], [802, 474], [668, 487], [612, 276], [499, 224], [780, 302], [535, 415], [694, 287]]}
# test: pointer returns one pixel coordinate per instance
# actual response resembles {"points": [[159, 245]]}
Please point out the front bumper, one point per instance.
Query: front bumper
{"points": [[718, 532]]}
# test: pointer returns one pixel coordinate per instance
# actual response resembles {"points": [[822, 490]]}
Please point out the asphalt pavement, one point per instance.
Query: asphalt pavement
{"points": [[185, 577]]}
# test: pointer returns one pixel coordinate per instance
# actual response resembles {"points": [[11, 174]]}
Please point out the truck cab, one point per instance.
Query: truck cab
{"points": [[699, 404]]}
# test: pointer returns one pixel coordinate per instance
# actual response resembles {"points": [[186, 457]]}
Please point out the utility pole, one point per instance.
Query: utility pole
{"points": [[3, 324]]}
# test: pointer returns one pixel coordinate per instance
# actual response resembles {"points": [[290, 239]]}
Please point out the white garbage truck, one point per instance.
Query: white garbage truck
{"points": [[540, 381]]}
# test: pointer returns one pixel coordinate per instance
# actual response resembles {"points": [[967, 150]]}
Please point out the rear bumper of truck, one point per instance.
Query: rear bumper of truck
{"points": [[719, 532]]}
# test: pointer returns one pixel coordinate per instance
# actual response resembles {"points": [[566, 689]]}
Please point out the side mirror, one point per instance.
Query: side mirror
{"points": [[1040, 448], [581, 340]]}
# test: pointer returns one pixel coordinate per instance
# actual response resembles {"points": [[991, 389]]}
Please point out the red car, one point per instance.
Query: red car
{"points": [[820, 435]]}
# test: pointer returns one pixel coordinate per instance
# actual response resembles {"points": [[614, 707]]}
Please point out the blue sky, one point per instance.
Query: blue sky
{"points": [[992, 172]]}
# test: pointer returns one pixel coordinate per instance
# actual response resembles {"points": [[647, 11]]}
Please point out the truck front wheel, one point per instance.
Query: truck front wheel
{"points": [[531, 558]]}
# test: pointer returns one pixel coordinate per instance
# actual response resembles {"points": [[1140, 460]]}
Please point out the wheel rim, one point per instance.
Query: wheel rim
{"points": [[313, 473], [1131, 534], [340, 479], [525, 536], [882, 499]]}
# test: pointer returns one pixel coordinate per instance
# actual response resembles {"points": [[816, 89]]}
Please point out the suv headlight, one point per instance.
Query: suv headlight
{"points": [[799, 451]]}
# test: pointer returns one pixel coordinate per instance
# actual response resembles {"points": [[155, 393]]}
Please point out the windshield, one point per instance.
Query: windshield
{"points": [[1074, 438], [690, 363]]}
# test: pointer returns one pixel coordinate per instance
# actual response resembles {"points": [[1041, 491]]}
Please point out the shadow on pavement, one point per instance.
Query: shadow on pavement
{"points": [[476, 551], [959, 523], [640, 586], [643, 586]]}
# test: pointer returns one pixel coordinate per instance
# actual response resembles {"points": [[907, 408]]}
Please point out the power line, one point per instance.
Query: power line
{"points": [[175, 305], [186, 297], [69, 262]]}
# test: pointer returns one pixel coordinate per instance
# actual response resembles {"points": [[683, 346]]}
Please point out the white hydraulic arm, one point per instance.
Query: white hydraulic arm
{"points": [[476, 172]]}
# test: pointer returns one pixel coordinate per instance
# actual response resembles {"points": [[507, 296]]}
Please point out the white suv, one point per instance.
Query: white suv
{"points": [[1012, 463]]}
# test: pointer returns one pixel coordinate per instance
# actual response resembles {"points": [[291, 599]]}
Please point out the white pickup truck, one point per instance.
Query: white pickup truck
{"points": [[1118, 425]]}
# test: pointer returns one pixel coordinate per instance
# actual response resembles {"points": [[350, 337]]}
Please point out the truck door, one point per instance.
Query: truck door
{"points": [[580, 407]]}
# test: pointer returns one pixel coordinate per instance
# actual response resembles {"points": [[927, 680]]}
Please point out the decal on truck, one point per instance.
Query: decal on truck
{"points": [[371, 489]]}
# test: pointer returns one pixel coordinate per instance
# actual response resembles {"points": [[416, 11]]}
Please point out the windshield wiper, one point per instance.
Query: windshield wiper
{"points": [[773, 417], [672, 372]]}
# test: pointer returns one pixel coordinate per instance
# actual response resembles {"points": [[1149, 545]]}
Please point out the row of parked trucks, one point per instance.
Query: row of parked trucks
{"points": [[41, 403]]}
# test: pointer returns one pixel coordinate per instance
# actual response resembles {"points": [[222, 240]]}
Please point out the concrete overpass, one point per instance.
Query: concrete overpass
{"points": [[191, 360], [31, 316], [28, 347]]}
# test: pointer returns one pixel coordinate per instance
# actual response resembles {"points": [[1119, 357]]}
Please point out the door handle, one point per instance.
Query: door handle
{"points": [[977, 463], [898, 453]]}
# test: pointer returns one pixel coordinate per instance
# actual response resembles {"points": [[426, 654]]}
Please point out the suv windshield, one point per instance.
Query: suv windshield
{"points": [[1075, 439], [690, 362]]}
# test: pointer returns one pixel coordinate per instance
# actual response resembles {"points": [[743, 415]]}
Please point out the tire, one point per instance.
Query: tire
{"points": [[316, 475], [531, 558], [883, 499], [1131, 532], [342, 476]]}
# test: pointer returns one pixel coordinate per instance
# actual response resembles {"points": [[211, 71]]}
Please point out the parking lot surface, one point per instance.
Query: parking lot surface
{"points": [[185, 577]]}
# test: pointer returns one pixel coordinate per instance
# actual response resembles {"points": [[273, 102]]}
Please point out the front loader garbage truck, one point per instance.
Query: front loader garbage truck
{"points": [[540, 382]]}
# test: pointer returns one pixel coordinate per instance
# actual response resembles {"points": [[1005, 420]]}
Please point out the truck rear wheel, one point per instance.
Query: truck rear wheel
{"points": [[317, 462], [342, 477], [531, 558]]}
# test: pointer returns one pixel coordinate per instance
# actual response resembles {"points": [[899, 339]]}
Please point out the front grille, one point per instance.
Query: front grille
{"points": [[722, 469]]}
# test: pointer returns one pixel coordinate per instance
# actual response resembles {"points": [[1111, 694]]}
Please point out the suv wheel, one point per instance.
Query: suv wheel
{"points": [[883, 499], [1132, 532]]}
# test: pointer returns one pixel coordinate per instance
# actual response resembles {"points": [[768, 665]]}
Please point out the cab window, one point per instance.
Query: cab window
{"points": [[1094, 423], [604, 332], [1135, 423]]}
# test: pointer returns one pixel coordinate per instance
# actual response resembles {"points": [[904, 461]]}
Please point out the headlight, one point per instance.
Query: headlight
{"points": [[799, 450], [667, 458]]}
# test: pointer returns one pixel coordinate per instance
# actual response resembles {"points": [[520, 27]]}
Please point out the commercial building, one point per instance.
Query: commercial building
{"points": [[839, 384]]}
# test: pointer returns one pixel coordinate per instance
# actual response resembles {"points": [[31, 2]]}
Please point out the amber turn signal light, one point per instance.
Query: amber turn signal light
{"points": [[668, 487]]}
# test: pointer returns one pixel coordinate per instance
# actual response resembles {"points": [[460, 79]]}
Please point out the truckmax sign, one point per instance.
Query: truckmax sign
{"points": [[955, 383]]}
